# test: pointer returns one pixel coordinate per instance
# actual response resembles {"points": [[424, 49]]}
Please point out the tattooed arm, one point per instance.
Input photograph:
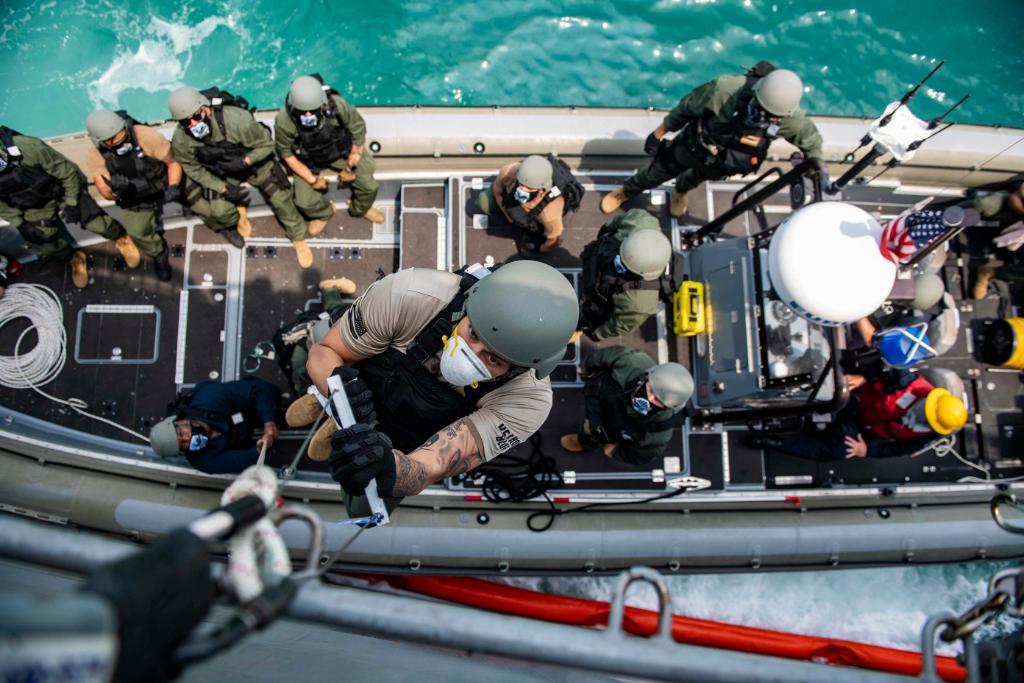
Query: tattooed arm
{"points": [[451, 451]]}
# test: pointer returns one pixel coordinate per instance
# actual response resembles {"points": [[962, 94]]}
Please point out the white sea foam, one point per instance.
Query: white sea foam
{"points": [[158, 62]]}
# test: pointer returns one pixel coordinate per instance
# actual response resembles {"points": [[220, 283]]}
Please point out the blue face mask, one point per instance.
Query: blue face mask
{"points": [[199, 130], [521, 195], [198, 442], [641, 405], [308, 119], [124, 149], [620, 267]]}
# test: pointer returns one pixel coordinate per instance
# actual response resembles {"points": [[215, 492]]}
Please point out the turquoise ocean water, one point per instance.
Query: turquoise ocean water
{"points": [[59, 60]]}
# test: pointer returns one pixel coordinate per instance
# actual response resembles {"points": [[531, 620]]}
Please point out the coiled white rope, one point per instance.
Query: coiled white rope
{"points": [[42, 363]]}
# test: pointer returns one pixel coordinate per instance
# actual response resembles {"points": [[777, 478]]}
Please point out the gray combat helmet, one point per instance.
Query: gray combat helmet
{"points": [[185, 101], [928, 291], [306, 94], [163, 439], [525, 312], [103, 124], [779, 92], [645, 251], [535, 171], [672, 384]]}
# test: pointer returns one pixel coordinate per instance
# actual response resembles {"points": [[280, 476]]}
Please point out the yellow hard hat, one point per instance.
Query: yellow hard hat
{"points": [[945, 412]]}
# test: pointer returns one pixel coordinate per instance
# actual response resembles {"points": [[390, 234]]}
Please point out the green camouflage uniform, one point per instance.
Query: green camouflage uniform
{"points": [[203, 192], [715, 102], [313, 203], [41, 227], [619, 367]]}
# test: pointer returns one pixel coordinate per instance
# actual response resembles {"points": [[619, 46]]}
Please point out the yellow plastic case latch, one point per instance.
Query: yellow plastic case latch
{"points": [[688, 316]]}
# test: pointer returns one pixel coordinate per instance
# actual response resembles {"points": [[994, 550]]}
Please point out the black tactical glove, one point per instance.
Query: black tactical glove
{"points": [[360, 398], [651, 145], [236, 194], [235, 166], [173, 193], [72, 214], [160, 594], [121, 185], [360, 454]]}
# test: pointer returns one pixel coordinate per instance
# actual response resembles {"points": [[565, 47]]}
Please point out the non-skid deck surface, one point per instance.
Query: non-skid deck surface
{"points": [[212, 318]]}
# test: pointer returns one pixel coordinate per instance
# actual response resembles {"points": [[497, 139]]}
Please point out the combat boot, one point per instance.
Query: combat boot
{"points": [[984, 277], [679, 204], [571, 443], [317, 225], [303, 411], [233, 238], [79, 270], [244, 227], [162, 267], [374, 215], [342, 284], [303, 253], [129, 251], [320, 445], [613, 200]]}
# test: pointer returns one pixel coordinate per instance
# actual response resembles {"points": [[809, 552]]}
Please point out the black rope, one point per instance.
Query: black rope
{"points": [[554, 512], [513, 479]]}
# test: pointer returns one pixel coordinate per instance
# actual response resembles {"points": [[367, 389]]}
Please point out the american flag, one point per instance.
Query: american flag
{"points": [[908, 232]]}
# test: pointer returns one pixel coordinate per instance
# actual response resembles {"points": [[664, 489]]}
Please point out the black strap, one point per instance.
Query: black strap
{"points": [[428, 341]]}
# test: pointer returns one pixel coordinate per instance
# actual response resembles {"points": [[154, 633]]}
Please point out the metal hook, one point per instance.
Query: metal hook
{"points": [[995, 504], [618, 608], [316, 536]]}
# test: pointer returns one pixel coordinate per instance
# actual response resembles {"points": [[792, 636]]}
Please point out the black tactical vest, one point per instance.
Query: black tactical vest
{"points": [[147, 175], [606, 404], [321, 146], [220, 158], [25, 187], [411, 403]]}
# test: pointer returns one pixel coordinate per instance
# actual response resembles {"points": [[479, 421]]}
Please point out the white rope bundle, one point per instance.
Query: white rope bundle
{"points": [[42, 363]]}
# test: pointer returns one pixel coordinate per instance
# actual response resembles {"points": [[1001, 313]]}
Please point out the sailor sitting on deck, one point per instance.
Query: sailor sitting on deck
{"points": [[212, 424], [534, 195], [631, 404], [901, 413], [450, 371]]}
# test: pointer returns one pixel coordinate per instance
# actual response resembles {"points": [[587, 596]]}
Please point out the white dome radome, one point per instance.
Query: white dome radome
{"points": [[825, 264]]}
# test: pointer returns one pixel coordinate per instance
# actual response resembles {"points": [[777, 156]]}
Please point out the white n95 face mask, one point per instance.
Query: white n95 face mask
{"points": [[459, 365]]}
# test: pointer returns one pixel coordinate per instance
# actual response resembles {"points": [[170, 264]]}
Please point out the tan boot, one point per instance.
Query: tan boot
{"points": [[132, 257], [571, 443], [244, 227], [679, 204], [303, 253], [374, 215], [317, 225], [613, 200], [79, 270], [320, 444], [342, 284], [984, 277], [303, 411]]}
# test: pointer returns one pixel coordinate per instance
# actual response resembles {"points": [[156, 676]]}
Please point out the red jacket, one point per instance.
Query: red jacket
{"points": [[881, 413]]}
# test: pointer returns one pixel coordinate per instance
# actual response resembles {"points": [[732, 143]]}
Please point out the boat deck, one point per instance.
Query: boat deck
{"points": [[132, 340]]}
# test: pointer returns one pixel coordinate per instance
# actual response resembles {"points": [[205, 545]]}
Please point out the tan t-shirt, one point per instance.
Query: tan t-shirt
{"points": [[392, 311], [152, 142], [550, 216]]}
